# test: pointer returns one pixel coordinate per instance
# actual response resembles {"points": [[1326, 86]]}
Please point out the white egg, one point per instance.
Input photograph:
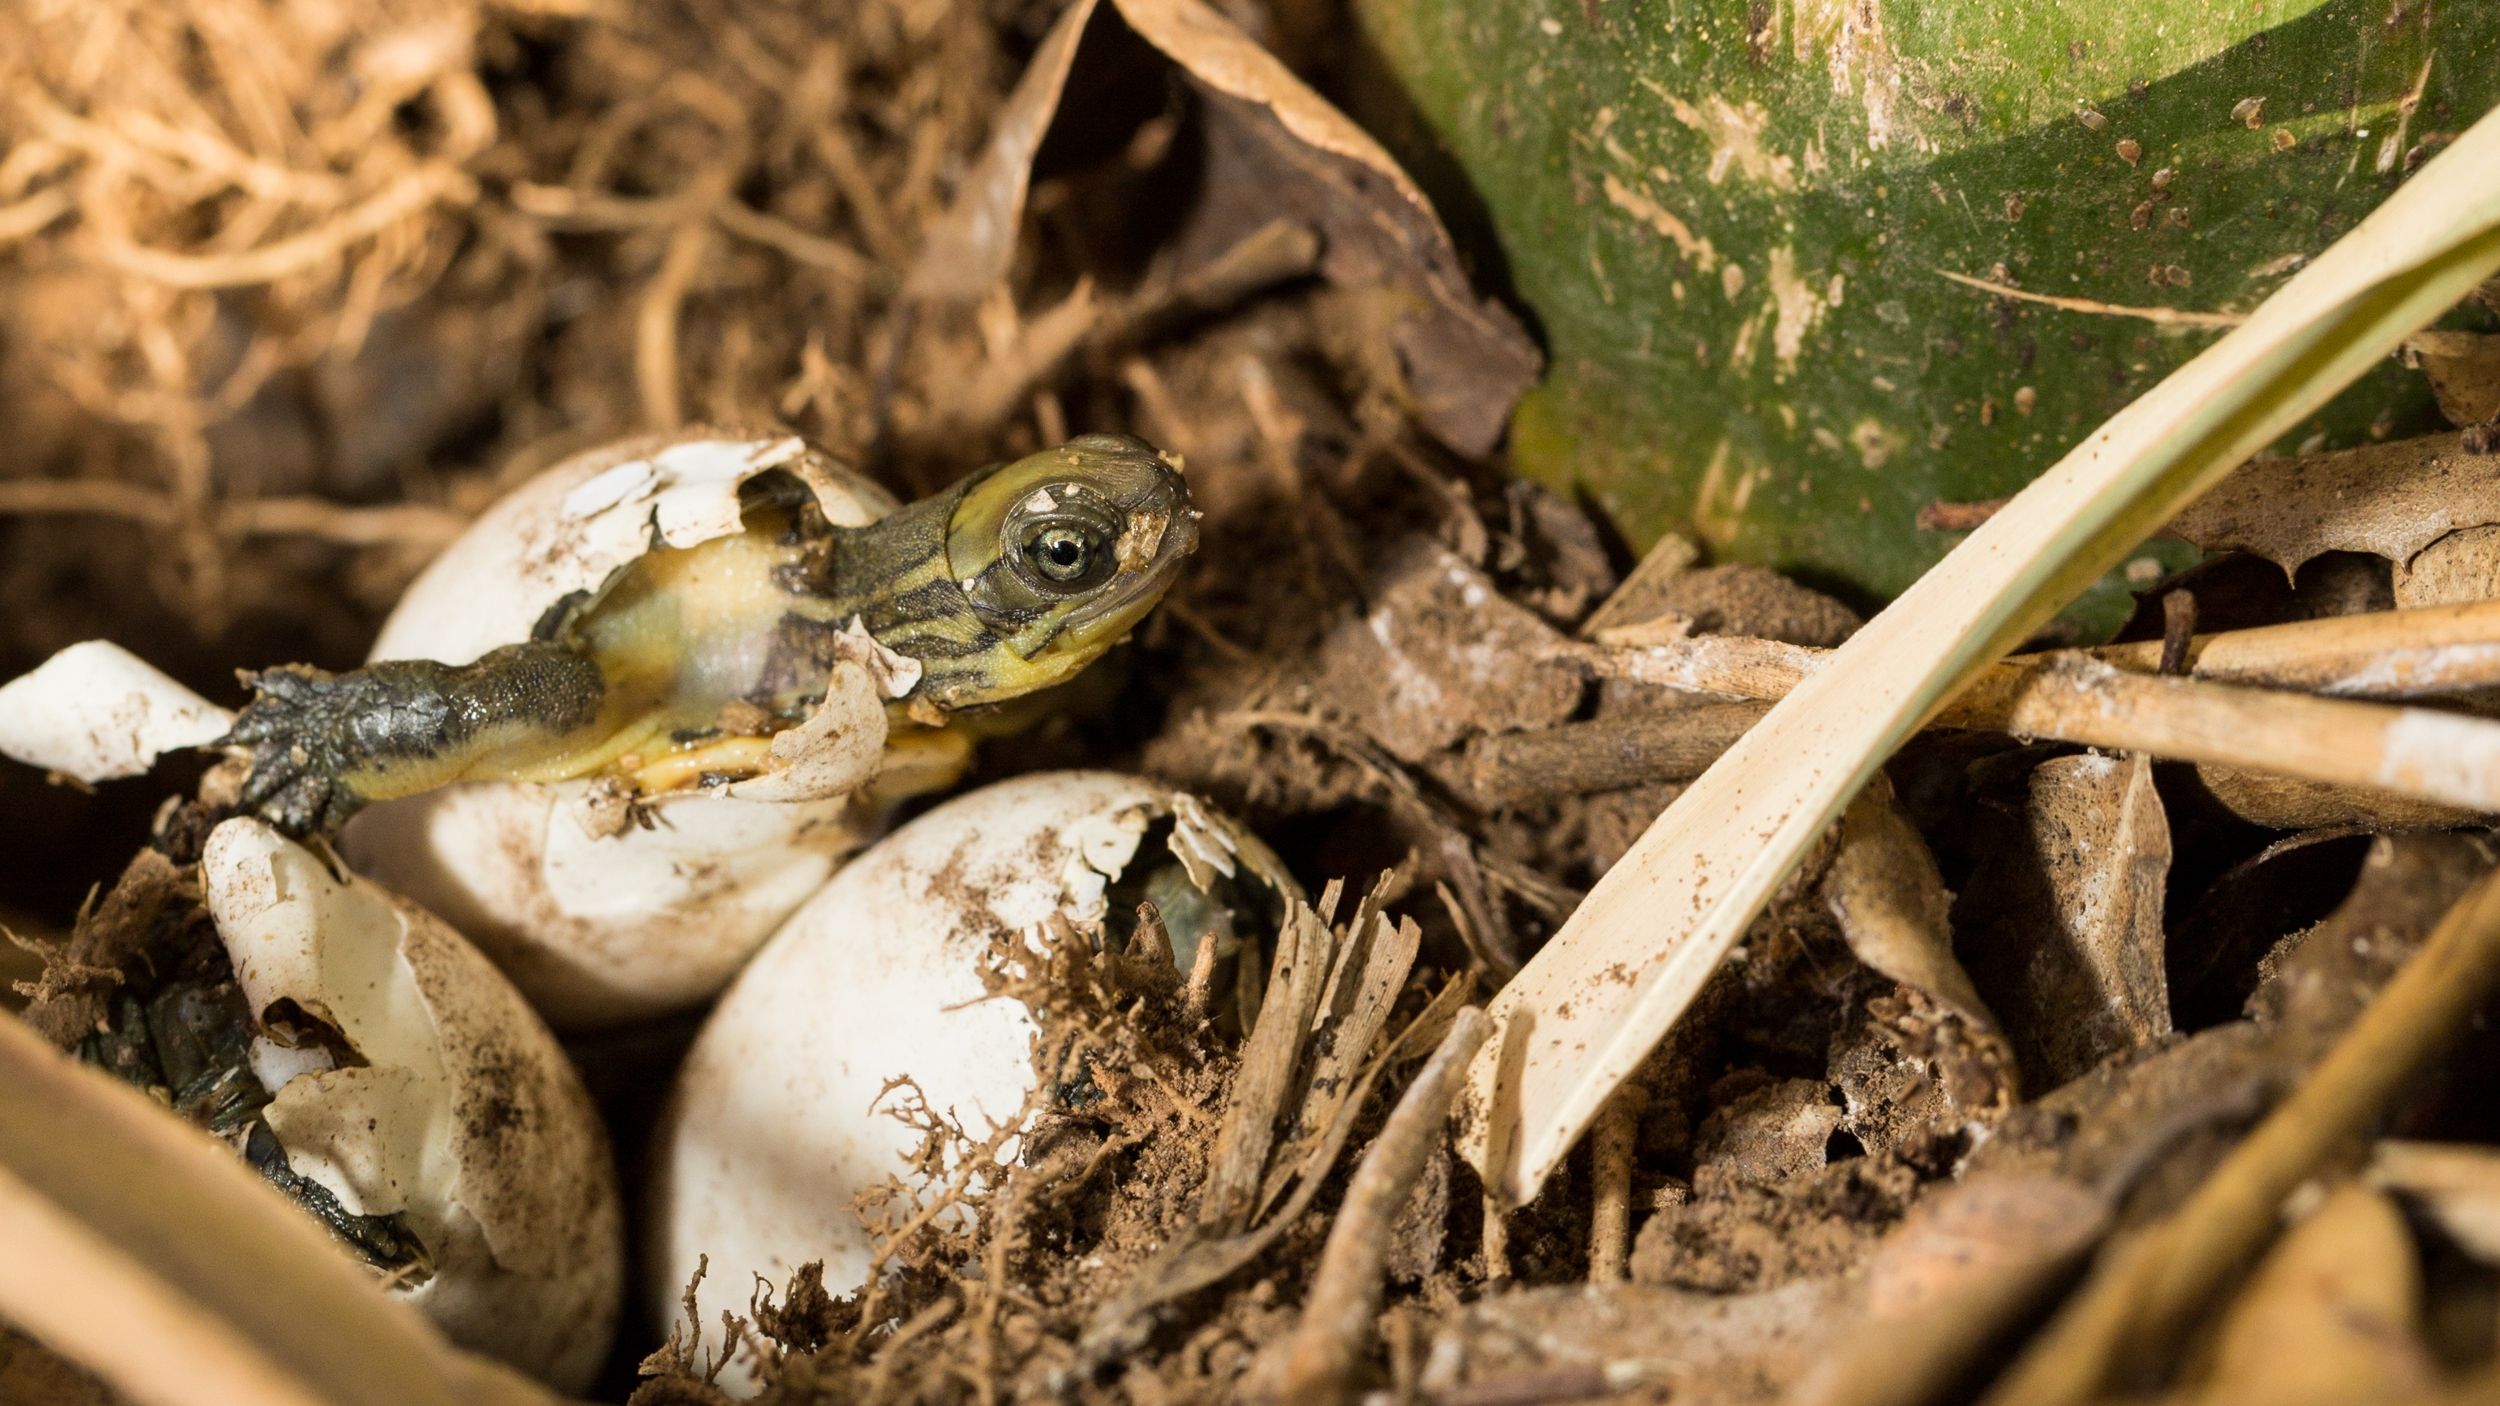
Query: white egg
{"points": [[776, 1122], [433, 1095], [595, 923]]}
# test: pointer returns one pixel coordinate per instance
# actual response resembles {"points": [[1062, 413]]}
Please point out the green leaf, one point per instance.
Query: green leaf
{"points": [[1733, 221]]}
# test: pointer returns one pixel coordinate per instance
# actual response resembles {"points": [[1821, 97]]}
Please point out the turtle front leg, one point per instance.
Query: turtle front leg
{"points": [[323, 745]]}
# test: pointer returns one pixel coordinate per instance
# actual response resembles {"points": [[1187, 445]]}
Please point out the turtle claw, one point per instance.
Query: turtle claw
{"points": [[300, 728]]}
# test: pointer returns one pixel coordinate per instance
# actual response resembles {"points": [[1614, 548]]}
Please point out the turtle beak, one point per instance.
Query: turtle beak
{"points": [[1150, 554]]}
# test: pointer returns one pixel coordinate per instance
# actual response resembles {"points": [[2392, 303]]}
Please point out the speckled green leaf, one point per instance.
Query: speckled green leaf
{"points": [[1733, 221]]}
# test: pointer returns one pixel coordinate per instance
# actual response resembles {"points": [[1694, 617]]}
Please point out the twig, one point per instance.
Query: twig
{"points": [[814, 250], [1604, 754], [1496, 1237], [2147, 1293], [2168, 317], [2094, 697], [1610, 1214], [2446, 758], [2381, 654], [396, 524], [1345, 1292], [28, 217]]}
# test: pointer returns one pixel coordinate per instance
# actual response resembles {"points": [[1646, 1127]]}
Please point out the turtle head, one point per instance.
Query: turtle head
{"points": [[1058, 556]]}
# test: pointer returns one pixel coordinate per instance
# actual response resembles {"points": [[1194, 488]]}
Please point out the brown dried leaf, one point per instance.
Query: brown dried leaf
{"points": [[1466, 359], [1277, 150], [2333, 1314], [2067, 926], [1892, 906], [2388, 499], [2458, 569], [1441, 655], [970, 249], [2464, 371], [2293, 803]]}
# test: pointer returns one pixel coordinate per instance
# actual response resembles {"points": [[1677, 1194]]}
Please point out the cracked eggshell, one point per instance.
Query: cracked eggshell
{"points": [[774, 1125], [96, 711], [457, 1112], [596, 920]]}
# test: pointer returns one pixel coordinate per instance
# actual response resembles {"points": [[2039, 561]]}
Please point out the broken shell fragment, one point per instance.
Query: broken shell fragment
{"points": [[600, 906], [419, 1107], [96, 711], [784, 1111]]}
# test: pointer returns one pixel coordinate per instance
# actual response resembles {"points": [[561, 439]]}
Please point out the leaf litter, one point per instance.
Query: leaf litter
{"points": [[330, 337]]}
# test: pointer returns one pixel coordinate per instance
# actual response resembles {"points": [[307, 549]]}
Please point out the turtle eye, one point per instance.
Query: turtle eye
{"points": [[1064, 555]]}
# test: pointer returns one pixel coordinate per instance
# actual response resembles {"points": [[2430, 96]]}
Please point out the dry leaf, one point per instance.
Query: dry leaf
{"points": [[2333, 1314], [2293, 803], [2464, 371], [2458, 569], [1892, 905], [970, 249], [2388, 499], [1440, 655], [2066, 928], [1275, 150]]}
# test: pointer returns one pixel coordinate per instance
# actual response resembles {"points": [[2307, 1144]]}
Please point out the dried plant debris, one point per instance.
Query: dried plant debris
{"points": [[2333, 1313], [1273, 150], [2464, 371], [2391, 500], [2065, 923], [2462, 567], [1441, 655]]}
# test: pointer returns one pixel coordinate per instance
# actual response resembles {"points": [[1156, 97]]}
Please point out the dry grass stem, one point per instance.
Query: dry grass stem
{"points": [[2427, 652], [407, 196]]}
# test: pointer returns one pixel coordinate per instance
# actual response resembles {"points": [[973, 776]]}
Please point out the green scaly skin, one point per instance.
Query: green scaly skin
{"points": [[1011, 581]]}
